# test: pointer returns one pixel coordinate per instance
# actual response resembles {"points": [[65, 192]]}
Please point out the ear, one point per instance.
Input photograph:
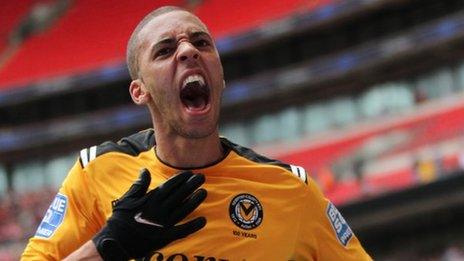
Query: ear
{"points": [[139, 93]]}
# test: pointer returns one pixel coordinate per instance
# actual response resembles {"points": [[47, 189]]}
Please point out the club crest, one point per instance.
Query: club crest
{"points": [[246, 211]]}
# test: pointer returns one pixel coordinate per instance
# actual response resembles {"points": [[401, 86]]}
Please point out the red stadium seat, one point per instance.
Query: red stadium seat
{"points": [[11, 13], [93, 34]]}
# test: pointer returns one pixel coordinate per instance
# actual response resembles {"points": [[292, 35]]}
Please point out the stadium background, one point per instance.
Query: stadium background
{"points": [[367, 95]]}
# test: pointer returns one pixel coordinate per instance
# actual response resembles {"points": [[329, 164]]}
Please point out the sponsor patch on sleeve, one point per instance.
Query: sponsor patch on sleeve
{"points": [[342, 231], [54, 217]]}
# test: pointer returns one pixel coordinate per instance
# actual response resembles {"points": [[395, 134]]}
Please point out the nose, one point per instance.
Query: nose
{"points": [[187, 52]]}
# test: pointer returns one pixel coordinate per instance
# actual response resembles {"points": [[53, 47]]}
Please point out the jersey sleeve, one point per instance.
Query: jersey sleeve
{"points": [[70, 221], [323, 233]]}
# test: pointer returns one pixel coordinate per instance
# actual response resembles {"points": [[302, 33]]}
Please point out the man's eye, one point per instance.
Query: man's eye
{"points": [[163, 51], [201, 43]]}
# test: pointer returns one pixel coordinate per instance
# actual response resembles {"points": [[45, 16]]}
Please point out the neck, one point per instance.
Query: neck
{"points": [[184, 153]]}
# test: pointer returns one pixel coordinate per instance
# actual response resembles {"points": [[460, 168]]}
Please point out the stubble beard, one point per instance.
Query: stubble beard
{"points": [[195, 133]]}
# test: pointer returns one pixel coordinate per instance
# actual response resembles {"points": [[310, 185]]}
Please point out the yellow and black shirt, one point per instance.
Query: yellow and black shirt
{"points": [[256, 208]]}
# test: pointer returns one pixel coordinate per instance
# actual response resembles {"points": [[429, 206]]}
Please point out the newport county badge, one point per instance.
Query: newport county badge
{"points": [[53, 217], [246, 211]]}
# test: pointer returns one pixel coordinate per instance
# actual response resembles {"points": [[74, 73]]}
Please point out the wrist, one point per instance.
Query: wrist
{"points": [[108, 247]]}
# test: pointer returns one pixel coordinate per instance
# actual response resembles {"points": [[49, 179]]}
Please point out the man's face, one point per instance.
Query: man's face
{"points": [[180, 67]]}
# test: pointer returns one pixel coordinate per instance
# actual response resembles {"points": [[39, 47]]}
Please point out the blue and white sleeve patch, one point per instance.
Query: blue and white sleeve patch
{"points": [[54, 217], [339, 224]]}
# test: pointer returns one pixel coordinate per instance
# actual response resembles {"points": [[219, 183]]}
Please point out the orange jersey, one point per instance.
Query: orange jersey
{"points": [[256, 208]]}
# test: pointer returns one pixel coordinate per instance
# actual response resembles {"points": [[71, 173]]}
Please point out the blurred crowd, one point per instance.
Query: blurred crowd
{"points": [[452, 252], [20, 214]]}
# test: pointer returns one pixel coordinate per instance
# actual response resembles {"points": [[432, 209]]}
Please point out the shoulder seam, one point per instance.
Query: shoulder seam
{"points": [[300, 172], [132, 145], [87, 155], [251, 155]]}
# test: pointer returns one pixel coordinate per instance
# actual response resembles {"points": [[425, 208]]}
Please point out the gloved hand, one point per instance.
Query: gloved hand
{"points": [[144, 222]]}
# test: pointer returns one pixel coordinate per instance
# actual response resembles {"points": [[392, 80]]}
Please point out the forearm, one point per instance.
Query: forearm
{"points": [[87, 251]]}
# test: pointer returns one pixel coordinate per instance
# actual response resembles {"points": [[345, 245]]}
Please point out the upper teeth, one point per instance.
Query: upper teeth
{"points": [[194, 78]]}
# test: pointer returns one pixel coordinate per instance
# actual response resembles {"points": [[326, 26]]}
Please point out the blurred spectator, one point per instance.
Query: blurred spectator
{"points": [[426, 170], [461, 160], [325, 178], [453, 253]]}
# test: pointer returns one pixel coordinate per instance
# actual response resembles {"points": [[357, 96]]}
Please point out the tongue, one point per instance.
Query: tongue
{"points": [[197, 103]]}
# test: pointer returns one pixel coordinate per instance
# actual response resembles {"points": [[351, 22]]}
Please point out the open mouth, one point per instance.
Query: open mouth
{"points": [[195, 93]]}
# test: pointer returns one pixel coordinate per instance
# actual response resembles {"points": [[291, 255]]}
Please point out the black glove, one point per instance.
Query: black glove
{"points": [[144, 222]]}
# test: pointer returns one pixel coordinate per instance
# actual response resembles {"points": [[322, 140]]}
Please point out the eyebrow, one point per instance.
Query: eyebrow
{"points": [[197, 34], [170, 40]]}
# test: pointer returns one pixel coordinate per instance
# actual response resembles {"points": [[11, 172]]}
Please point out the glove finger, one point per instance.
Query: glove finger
{"points": [[140, 186], [165, 189], [176, 198], [188, 206], [154, 210], [183, 230]]}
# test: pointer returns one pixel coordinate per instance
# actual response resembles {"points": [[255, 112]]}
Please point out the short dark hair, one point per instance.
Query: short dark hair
{"points": [[132, 53]]}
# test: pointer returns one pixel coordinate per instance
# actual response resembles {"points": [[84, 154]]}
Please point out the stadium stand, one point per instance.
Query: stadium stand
{"points": [[95, 25], [11, 13], [88, 23], [218, 14], [369, 93], [390, 151]]}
